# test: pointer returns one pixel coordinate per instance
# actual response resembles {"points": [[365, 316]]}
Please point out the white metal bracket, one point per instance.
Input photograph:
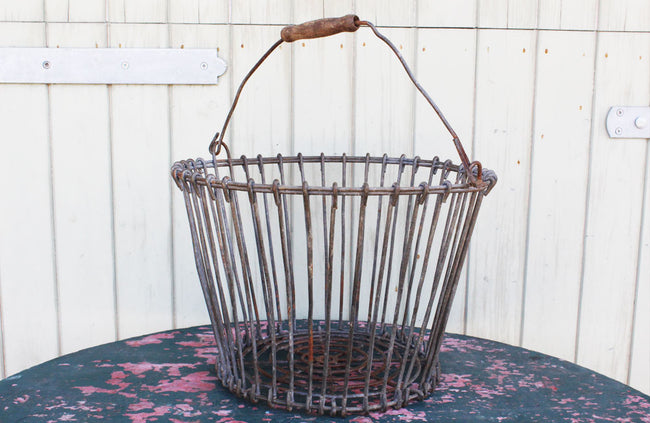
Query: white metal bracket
{"points": [[628, 122], [110, 66]]}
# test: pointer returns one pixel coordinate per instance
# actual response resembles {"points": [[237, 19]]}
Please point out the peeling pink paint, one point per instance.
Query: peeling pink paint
{"points": [[151, 339], [142, 405], [194, 382], [21, 400], [144, 417], [173, 369], [403, 414]]}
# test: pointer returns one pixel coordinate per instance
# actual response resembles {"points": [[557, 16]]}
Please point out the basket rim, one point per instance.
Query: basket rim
{"points": [[191, 171]]}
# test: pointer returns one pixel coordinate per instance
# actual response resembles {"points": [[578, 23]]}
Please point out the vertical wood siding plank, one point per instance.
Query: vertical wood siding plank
{"points": [[507, 13], [445, 67], [137, 11], [82, 199], [504, 99], [87, 10], [568, 14], [384, 94], [624, 15], [183, 11], [459, 13], [198, 11], [140, 142], [24, 10], [307, 10], [196, 113], [385, 13], [211, 11], [639, 373], [262, 121], [614, 209], [265, 12], [56, 10], [563, 101], [323, 94], [27, 273]]}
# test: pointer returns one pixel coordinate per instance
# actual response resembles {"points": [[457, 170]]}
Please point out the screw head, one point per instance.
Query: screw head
{"points": [[618, 131], [620, 112], [204, 65], [125, 65], [47, 64], [640, 122]]}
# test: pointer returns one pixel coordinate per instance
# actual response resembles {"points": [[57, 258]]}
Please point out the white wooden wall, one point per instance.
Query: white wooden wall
{"points": [[93, 240]]}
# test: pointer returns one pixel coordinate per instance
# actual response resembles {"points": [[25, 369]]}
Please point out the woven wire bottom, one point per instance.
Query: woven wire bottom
{"points": [[335, 396]]}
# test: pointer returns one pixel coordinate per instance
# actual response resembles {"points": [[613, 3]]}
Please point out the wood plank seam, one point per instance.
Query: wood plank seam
{"points": [[3, 366], [644, 210], [470, 252], [55, 264], [112, 191], [587, 196], [530, 189], [170, 132]]}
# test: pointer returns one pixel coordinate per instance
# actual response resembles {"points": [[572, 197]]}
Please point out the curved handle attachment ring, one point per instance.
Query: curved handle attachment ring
{"points": [[330, 26]]}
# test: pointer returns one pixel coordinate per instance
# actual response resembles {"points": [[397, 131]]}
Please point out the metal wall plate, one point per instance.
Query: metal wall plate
{"points": [[110, 66], [628, 122]]}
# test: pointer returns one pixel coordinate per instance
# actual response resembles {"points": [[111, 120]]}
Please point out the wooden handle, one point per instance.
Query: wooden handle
{"points": [[319, 28]]}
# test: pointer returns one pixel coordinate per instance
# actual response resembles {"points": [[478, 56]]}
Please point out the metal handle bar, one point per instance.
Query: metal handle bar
{"points": [[330, 26]]}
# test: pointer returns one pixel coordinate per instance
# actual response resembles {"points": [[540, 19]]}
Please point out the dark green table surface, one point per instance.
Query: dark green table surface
{"points": [[168, 377]]}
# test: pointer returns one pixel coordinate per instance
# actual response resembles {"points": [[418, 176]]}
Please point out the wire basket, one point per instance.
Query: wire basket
{"points": [[329, 279]]}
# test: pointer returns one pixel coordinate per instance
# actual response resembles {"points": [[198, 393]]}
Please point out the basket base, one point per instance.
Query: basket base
{"points": [[375, 371]]}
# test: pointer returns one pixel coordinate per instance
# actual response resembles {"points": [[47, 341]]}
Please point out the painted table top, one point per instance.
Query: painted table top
{"points": [[168, 377]]}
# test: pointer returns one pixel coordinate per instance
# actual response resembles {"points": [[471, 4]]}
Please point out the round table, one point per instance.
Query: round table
{"points": [[169, 377]]}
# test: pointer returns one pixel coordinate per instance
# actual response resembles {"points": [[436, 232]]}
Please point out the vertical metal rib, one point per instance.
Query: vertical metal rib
{"points": [[278, 309], [401, 382], [289, 250], [202, 262], [456, 229], [376, 249], [266, 284], [356, 289], [342, 276], [284, 241], [225, 246], [468, 226], [243, 255], [392, 246], [252, 328], [411, 266], [402, 276], [324, 201], [227, 321], [222, 315], [310, 287], [328, 297], [373, 321], [425, 264]]}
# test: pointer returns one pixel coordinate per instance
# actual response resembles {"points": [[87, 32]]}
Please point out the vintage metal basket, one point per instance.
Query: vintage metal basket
{"points": [[329, 279]]}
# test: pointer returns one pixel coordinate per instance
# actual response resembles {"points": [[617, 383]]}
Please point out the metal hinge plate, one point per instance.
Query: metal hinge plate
{"points": [[628, 122], [110, 66]]}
